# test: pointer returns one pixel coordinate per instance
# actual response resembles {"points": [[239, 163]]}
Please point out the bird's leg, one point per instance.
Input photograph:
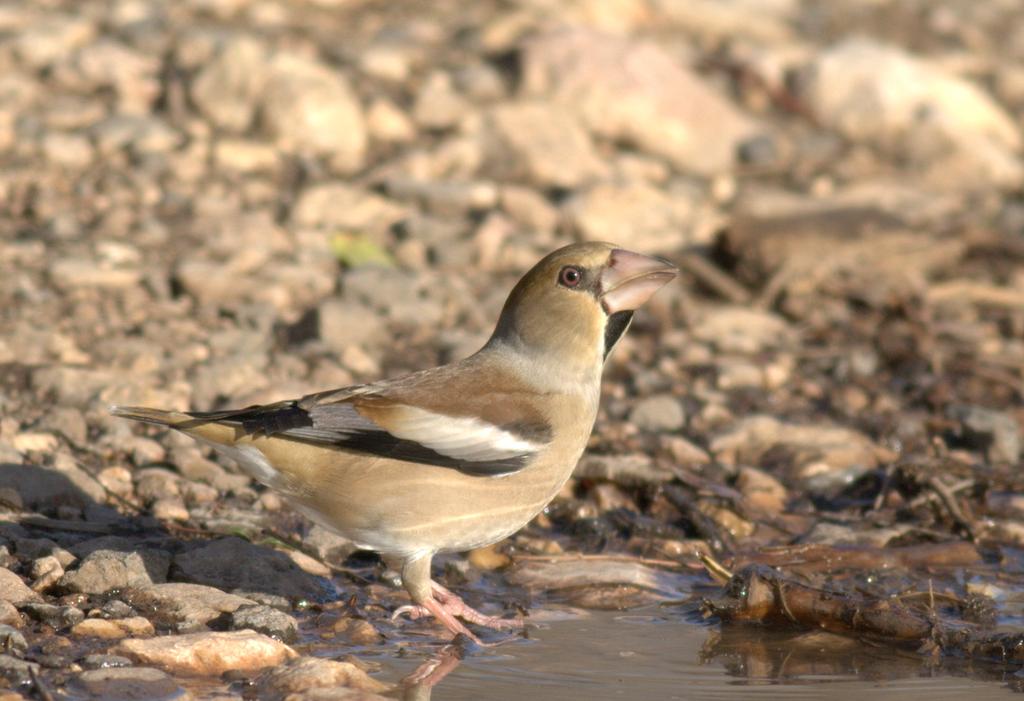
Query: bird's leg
{"points": [[430, 598], [454, 604]]}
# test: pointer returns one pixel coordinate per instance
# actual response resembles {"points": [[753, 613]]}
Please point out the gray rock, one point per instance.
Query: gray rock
{"points": [[46, 488], [916, 111], [182, 607], [636, 215], [97, 661], [627, 470], [266, 620], [661, 413], [57, 617], [438, 105], [340, 207], [15, 671], [34, 548], [539, 144], [995, 432], [328, 545], [12, 639], [636, 92], [14, 590], [232, 563], [103, 570], [127, 684], [227, 88], [308, 108]]}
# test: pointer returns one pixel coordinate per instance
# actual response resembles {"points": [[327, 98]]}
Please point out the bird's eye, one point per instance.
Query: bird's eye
{"points": [[570, 276]]}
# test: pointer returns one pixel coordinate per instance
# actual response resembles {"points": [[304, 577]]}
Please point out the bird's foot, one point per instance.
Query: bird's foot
{"points": [[448, 607]]}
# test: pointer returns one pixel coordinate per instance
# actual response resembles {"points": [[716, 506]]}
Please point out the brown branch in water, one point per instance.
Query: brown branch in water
{"points": [[758, 594]]}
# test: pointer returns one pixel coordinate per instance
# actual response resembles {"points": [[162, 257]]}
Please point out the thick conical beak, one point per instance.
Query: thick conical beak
{"points": [[630, 279]]}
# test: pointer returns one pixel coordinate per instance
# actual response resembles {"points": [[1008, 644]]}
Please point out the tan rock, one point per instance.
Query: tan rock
{"points": [[14, 590], [208, 654], [136, 627], [309, 673]]}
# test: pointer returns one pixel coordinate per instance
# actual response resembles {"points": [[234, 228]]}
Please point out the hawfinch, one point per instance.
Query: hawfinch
{"points": [[459, 456]]}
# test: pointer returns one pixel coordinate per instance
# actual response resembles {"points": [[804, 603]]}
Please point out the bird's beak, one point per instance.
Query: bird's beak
{"points": [[629, 279]]}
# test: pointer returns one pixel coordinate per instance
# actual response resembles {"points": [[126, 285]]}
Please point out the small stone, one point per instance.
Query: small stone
{"points": [[104, 661], [136, 627], [662, 413], [539, 144], [226, 89], [9, 614], [357, 631], [637, 215], [12, 639], [207, 654], [72, 151], [308, 673], [103, 570], [170, 509], [16, 671], [57, 617], [71, 273], [637, 92], [339, 207], [761, 490], [995, 432], [128, 684], [438, 106], [35, 442], [387, 123], [181, 607], [266, 620], [627, 470], [45, 572], [14, 590], [308, 108], [232, 563], [35, 548], [245, 156]]}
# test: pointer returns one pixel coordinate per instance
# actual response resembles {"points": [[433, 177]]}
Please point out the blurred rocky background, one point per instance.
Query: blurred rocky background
{"points": [[211, 203]]}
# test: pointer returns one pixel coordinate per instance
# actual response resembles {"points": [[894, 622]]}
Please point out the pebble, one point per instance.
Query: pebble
{"points": [[57, 617], [103, 570], [637, 215], [128, 684], [114, 629], [995, 432], [663, 413], [207, 654], [635, 91], [309, 108], [14, 590], [182, 607], [266, 620], [307, 673], [12, 640], [232, 563], [541, 145]]}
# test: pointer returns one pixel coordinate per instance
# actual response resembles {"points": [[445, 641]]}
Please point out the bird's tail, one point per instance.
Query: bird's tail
{"points": [[206, 426], [159, 417]]}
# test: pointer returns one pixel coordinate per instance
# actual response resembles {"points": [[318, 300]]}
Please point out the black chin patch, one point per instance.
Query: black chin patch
{"points": [[614, 328]]}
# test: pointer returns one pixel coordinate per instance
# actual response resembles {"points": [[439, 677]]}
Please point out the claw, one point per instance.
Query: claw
{"points": [[448, 607]]}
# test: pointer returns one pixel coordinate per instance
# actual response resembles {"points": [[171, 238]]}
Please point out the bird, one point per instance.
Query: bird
{"points": [[455, 457]]}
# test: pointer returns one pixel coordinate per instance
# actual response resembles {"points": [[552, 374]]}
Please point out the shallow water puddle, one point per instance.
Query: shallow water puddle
{"points": [[655, 653]]}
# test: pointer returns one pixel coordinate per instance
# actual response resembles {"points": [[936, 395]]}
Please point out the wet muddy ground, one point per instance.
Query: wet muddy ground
{"points": [[806, 475]]}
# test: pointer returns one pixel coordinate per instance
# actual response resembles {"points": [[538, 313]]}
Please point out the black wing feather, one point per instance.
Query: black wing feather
{"points": [[340, 425]]}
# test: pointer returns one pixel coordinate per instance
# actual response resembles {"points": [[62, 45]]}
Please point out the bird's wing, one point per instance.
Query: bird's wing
{"points": [[363, 420]]}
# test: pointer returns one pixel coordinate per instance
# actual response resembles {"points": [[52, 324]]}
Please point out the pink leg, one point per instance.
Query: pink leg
{"points": [[446, 605]]}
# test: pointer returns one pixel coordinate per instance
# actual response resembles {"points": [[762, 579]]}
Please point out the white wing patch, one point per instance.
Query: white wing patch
{"points": [[462, 438]]}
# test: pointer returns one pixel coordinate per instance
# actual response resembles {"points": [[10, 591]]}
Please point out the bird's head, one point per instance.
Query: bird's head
{"points": [[576, 302]]}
